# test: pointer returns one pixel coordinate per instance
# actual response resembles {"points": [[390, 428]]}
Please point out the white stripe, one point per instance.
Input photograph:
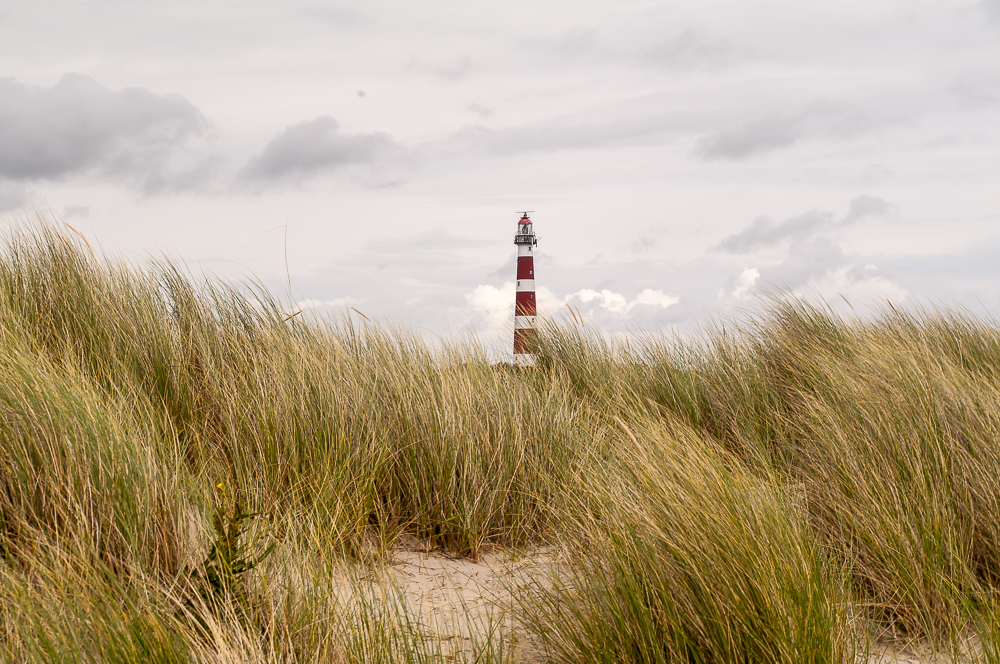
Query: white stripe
{"points": [[524, 250], [524, 285], [524, 322]]}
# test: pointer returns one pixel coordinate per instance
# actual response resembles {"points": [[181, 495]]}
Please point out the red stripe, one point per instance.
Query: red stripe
{"points": [[524, 304], [525, 267], [524, 341]]}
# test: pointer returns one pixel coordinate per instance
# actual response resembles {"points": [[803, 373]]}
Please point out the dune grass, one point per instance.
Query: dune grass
{"points": [[781, 490], [687, 557]]}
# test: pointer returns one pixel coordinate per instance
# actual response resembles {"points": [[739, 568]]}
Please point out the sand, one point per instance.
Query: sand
{"points": [[465, 603]]}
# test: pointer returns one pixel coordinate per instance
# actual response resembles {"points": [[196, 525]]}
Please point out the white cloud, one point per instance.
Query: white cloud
{"points": [[865, 289], [338, 303], [493, 307], [653, 298], [605, 299], [745, 283], [605, 302], [490, 306]]}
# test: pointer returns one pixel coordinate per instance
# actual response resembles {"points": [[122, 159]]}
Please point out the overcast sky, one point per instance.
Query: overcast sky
{"points": [[680, 157]]}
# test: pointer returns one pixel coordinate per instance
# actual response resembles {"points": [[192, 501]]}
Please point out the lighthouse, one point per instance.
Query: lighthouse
{"points": [[524, 300]]}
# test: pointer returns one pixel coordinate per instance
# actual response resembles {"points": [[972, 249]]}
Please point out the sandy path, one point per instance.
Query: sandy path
{"points": [[465, 603], [915, 653]]}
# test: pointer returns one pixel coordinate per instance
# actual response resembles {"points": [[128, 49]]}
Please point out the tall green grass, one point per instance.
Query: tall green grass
{"points": [[889, 426], [345, 426], [782, 489], [687, 557]]}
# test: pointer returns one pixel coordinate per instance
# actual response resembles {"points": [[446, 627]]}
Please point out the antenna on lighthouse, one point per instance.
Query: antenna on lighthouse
{"points": [[524, 299]]}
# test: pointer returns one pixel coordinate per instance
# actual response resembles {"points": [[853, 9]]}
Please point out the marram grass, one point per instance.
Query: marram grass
{"points": [[787, 489], [687, 557]]}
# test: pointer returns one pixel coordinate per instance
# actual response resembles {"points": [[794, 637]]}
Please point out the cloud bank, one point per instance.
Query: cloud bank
{"points": [[314, 147], [820, 119], [161, 144], [492, 307], [764, 232], [79, 127], [814, 261]]}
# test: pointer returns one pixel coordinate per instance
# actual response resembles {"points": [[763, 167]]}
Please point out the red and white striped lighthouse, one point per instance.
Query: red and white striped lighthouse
{"points": [[524, 302]]}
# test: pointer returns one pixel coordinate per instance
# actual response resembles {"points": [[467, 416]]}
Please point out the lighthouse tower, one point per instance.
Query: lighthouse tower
{"points": [[524, 303]]}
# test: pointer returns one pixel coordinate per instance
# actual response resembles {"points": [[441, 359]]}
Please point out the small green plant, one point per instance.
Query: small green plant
{"points": [[230, 558]]}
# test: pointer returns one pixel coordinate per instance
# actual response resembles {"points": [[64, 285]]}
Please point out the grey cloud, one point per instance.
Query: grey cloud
{"points": [[764, 232], [806, 261], [313, 147], [79, 126], [643, 244], [964, 277], [992, 8], [13, 195], [812, 256], [336, 15], [693, 50], [481, 111], [76, 211], [556, 134], [642, 120], [819, 119], [417, 278], [507, 269], [456, 71], [868, 206], [575, 41]]}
